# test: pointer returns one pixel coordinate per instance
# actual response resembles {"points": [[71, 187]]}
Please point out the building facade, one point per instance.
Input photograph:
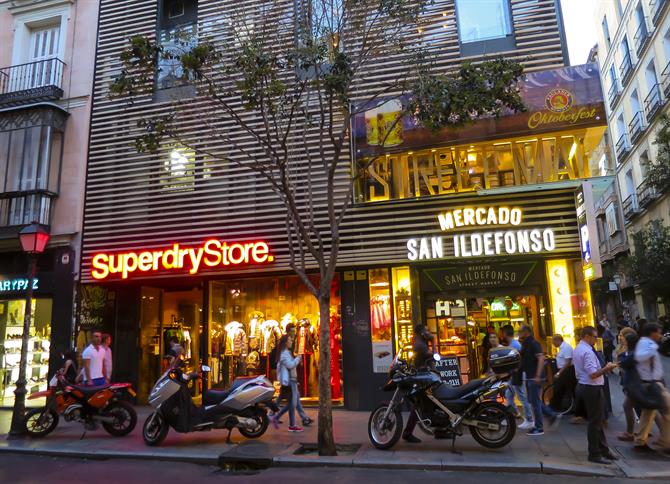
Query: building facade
{"points": [[45, 100], [634, 52], [464, 230]]}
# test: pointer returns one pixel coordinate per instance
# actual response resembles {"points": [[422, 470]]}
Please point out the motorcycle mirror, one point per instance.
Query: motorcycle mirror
{"points": [[437, 357], [206, 368]]}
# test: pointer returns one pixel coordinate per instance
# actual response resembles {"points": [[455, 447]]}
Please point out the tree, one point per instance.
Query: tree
{"points": [[658, 172], [651, 260], [283, 76]]}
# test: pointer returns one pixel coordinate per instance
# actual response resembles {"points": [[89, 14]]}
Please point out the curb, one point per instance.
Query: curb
{"points": [[286, 459]]}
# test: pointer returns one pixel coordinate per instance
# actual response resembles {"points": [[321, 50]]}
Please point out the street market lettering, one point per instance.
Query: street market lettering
{"points": [[542, 118], [479, 216], [213, 253]]}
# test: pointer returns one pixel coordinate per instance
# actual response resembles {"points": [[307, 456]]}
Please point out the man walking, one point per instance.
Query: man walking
{"points": [[565, 376], [650, 369], [94, 360], [517, 388], [532, 369], [107, 366], [590, 383]]}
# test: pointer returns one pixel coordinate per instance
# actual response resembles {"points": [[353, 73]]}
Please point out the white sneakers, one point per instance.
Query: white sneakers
{"points": [[526, 424]]}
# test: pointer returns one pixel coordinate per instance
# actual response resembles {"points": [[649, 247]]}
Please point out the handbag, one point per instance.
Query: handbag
{"points": [[645, 395]]}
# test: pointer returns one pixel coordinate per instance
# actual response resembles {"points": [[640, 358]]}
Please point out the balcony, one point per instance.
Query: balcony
{"points": [[34, 81], [630, 208], [626, 69], [23, 208], [622, 148], [646, 194], [665, 80], [614, 93], [641, 38], [636, 127], [653, 101], [657, 7]]}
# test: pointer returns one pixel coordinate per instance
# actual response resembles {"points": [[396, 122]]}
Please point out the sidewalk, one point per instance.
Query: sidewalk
{"points": [[561, 451]]}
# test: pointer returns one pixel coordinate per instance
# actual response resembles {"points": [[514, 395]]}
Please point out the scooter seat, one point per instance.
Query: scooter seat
{"points": [[88, 391], [214, 397], [447, 392]]}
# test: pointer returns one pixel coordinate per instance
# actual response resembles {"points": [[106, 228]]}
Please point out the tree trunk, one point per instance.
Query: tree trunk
{"points": [[326, 442]]}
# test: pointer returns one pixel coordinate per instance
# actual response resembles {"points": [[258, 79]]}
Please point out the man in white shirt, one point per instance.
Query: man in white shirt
{"points": [[564, 355], [650, 369], [590, 383], [107, 367], [94, 361]]}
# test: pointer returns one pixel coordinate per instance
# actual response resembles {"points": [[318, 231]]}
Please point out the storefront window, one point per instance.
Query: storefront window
{"points": [[11, 332], [380, 320], [247, 318], [402, 305]]}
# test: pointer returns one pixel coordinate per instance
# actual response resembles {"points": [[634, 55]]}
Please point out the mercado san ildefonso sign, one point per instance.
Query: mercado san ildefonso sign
{"points": [[510, 239], [212, 254]]}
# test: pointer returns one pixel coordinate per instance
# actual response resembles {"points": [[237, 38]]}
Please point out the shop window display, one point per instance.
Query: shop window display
{"points": [[247, 319], [402, 306], [12, 314]]}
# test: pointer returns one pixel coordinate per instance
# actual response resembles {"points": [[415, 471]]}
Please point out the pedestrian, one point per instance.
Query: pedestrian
{"points": [[564, 379], [608, 342], [94, 358], [604, 322], [626, 359], [493, 343], [70, 369], [288, 379], [622, 322], [532, 368], [517, 388], [422, 358], [174, 353], [590, 378], [107, 367], [650, 370]]}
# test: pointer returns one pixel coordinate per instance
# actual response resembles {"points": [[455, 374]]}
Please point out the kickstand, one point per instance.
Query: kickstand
{"points": [[453, 446], [228, 441], [83, 435]]}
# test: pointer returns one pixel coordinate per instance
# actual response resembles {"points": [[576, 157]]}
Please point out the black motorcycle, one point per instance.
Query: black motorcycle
{"points": [[664, 345], [443, 409]]}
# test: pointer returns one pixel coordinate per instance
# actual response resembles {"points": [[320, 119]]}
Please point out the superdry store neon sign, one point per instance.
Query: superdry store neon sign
{"points": [[211, 254]]}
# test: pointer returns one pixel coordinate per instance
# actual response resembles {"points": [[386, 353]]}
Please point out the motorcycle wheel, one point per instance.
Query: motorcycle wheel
{"points": [[384, 435], [39, 422], [262, 420], [125, 419], [493, 412], [155, 429]]}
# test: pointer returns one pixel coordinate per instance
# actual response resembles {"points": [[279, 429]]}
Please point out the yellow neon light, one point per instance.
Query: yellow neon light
{"points": [[559, 295]]}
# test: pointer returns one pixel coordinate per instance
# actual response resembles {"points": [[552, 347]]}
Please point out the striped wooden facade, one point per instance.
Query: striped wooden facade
{"points": [[132, 203]]}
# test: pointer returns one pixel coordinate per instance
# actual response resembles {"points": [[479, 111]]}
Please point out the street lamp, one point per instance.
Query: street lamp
{"points": [[34, 239], [617, 280]]}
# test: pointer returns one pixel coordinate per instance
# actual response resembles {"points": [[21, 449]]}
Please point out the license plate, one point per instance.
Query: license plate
{"points": [[132, 392]]}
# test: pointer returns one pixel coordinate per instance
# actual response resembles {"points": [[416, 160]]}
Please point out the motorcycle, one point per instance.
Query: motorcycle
{"points": [[443, 409], [88, 405], [664, 346], [243, 406]]}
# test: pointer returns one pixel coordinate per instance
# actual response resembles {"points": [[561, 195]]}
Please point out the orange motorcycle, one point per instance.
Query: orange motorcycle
{"points": [[88, 405]]}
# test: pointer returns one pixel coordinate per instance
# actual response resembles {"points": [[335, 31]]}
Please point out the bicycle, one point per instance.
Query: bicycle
{"points": [[568, 401]]}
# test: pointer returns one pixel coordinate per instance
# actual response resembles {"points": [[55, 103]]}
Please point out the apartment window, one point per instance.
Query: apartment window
{"points": [[613, 79], [611, 219], [177, 32], [178, 172], [480, 20], [619, 8], [644, 164], [606, 33], [30, 162]]}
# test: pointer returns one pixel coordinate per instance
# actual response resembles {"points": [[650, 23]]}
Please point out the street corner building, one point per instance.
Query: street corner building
{"points": [[46, 74], [465, 230]]}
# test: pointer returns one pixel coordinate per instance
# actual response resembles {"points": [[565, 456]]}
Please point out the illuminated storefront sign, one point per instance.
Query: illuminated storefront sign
{"points": [[499, 242], [211, 254], [17, 285]]}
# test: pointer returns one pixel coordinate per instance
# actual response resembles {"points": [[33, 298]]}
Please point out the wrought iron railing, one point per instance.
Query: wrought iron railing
{"points": [[626, 68], [613, 93], [32, 80], [652, 103], [646, 193], [656, 7], [22, 208], [630, 207], [641, 37], [665, 80], [636, 126], [622, 147]]}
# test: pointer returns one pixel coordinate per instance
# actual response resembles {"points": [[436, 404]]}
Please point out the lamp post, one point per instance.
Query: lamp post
{"points": [[617, 280], [34, 239]]}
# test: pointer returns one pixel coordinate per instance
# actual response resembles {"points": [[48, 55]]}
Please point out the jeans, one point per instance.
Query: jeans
{"points": [[98, 381], [292, 404], [520, 392], [535, 401]]}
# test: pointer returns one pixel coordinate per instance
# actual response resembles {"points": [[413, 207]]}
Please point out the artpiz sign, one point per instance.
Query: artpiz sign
{"points": [[510, 241], [211, 254]]}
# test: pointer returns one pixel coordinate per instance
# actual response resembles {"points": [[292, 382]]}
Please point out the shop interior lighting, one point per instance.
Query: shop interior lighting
{"points": [[559, 295]]}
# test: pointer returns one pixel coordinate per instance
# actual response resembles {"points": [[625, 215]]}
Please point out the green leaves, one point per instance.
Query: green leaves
{"points": [[486, 89], [658, 172], [651, 259]]}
